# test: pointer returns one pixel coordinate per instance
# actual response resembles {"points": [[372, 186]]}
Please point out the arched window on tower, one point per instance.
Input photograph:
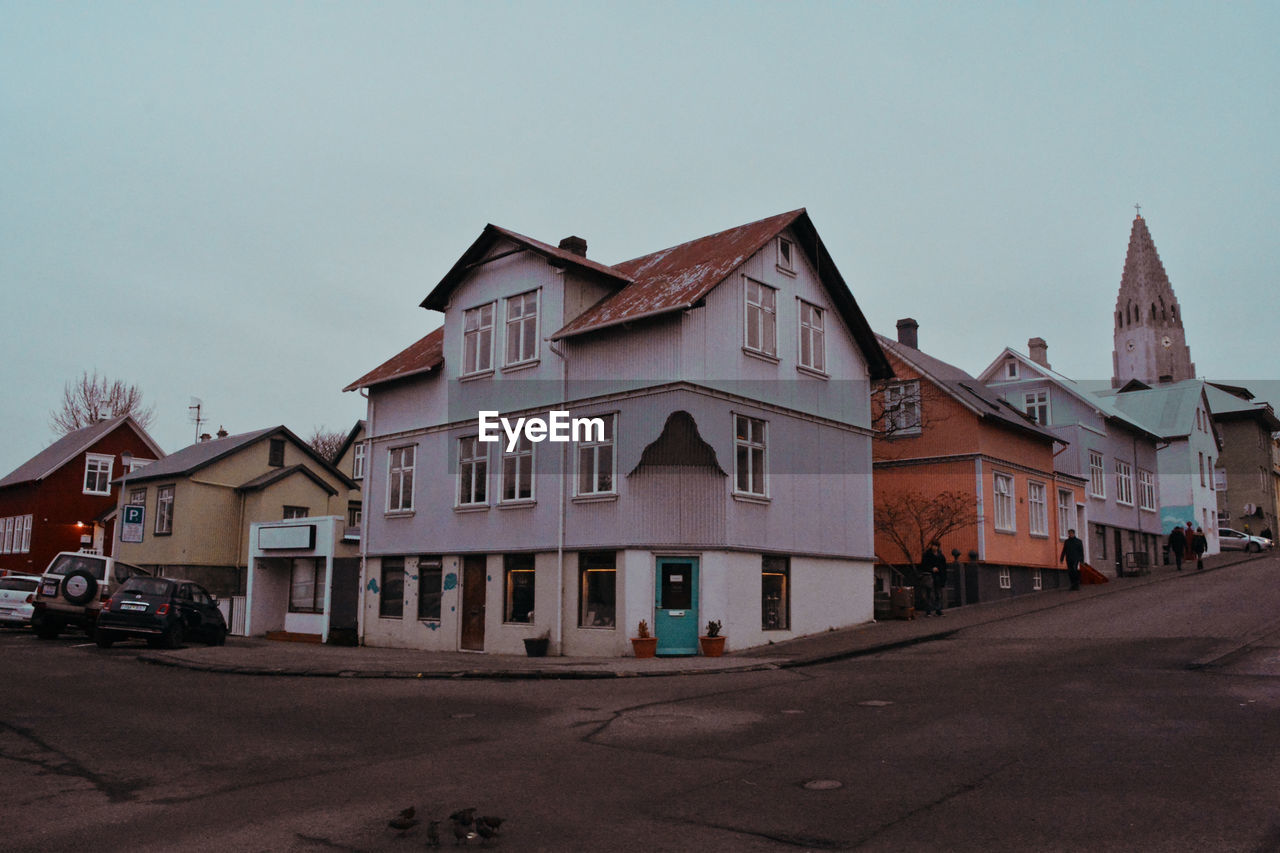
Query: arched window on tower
{"points": [[1119, 320], [1163, 314], [1173, 312]]}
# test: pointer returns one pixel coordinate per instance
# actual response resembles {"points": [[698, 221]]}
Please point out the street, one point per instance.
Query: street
{"points": [[1080, 727]]}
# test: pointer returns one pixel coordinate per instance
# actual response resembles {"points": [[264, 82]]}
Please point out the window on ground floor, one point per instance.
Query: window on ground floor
{"points": [[430, 578], [518, 585], [598, 574], [1037, 580], [1006, 578], [306, 585], [391, 595], [775, 593]]}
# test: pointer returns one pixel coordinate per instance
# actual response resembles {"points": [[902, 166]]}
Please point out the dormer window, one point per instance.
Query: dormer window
{"points": [[1011, 369], [522, 329], [1036, 405], [477, 340], [786, 255], [97, 474]]}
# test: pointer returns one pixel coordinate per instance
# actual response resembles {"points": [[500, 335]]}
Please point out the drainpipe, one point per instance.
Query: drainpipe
{"points": [[364, 518], [558, 630]]}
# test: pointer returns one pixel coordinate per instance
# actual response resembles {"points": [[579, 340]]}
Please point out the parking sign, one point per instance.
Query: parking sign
{"points": [[131, 525]]}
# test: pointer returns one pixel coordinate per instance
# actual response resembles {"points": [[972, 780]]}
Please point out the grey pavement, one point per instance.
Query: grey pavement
{"points": [[255, 656]]}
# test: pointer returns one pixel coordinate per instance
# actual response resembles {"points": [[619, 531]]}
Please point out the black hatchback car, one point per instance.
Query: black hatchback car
{"points": [[165, 611]]}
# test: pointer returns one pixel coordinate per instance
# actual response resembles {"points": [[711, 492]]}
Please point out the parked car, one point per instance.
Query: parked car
{"points": [[164, 611], [16, 595], [72, 590], [1234, 540]]}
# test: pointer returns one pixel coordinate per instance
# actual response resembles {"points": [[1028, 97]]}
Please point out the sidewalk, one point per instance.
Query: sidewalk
{"points": [[255, 656]]}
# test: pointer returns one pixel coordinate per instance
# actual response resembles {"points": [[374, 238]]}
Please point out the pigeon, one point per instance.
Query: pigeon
{"points": [[402, 823], [464, 816], [433, 833], [460, 833], [408, 813], [487, 826]]}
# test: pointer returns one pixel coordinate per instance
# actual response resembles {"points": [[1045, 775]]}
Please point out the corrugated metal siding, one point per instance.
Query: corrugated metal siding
{"points": [[679, 505]]}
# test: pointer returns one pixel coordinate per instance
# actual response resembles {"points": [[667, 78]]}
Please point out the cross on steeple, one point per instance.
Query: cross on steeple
{"points": [[1138, 208]]}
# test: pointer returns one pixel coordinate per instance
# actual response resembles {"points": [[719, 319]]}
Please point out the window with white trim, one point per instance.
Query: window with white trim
{"points": [[522, 328], [812, 337], [1037, 509], [1124, 483], [1011, 369], [749, 444], [97, 473], [401, 462], [164, 509], [1219, 479], [1037, 580], [1097, 475], [1036, 405], [6, 534], [517, 471], [902, 408], [1146, 489], [1066, 509], [761, 320], [473, 472], [1004, 505], [357, 462], [26, 534], [597, 461], [1006, 578], [786, 255], [477, 340]]}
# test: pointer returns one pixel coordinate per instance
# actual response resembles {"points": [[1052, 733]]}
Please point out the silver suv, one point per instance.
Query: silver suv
{"points": [[72, 590]]}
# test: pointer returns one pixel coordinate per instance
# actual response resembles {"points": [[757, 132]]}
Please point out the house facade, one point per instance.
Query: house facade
{"points": [[722, 471], [943, 431], [198, 503], [56, 500], [1180, 414], [1115, 456], [1244, 475], [350, 461]]}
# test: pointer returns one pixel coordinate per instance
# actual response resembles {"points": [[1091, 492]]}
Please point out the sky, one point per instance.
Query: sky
{"points": [[246, 202]]}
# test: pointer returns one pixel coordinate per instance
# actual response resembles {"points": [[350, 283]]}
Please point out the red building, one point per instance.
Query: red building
{"points": [[54, 501]]}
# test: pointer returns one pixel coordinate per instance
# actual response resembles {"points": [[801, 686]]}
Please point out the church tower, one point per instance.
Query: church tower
{"points": [[1150, 344]]}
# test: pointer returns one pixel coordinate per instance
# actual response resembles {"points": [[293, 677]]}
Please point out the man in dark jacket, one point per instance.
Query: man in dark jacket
{"points": [[933, 578], [1177, 544], [1073, 553]]}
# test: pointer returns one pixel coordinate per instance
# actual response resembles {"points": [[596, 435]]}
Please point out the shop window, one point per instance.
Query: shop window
{"points": [[518, 588], [775, 594], [598, 577], [306, 585], [391, 594]]}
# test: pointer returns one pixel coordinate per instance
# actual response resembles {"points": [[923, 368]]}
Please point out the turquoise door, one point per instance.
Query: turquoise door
{"points": [[676, 611]]}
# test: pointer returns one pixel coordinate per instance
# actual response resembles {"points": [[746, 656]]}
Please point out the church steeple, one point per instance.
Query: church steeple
{"points": [[1150, 343]]}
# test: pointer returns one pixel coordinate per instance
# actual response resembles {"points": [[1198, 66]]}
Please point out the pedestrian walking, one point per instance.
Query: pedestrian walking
{"points": [[933, 577], [1178, 545], [1073, 553], [1199, 544]]}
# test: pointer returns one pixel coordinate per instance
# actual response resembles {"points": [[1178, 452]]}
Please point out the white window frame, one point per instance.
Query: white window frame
{"points": [[1011, 369], [402, 462], [477, 360], [1004, 502], [98, 465], [761, 316], [1006, 578], [902, 408], [1146, 490], [1066, 509], [164, 509], [526, 329], [1097, 475], [473, 470], [786, 255], [1036, 405], [1219, 479], [357, 461], [1037, 580], [589, 452], [813, 324], [755, 442], [7, 526], [1124, 483], [514, 459], [1037, 509]]}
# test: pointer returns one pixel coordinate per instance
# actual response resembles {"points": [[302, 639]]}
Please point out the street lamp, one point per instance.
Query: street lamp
{"points": [[126, 463]]}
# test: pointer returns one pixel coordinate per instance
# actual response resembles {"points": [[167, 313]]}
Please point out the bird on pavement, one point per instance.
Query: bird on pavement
{"points": [[487, 826], [433, 833], [404, 821], [463, 820]]}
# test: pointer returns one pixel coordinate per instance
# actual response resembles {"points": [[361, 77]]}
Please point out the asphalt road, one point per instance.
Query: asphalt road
{"points": [[1083, 727]]}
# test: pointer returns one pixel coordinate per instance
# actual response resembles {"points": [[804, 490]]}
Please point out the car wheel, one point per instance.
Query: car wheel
{"points": [[173, 637], [218, 637], [1253, 548], [79, 587], [104, 639]]}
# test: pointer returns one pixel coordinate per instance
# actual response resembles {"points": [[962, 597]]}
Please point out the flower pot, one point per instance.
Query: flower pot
{"points": [[536, 647], [712, 647], [644, 647]]}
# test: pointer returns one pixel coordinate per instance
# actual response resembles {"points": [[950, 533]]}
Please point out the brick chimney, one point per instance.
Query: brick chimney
{"points": [[908, 333], [222, 431], [204, 436], [1039, 352], [576, 245]]}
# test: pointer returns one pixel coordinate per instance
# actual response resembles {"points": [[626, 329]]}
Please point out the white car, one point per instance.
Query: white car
{"points": [[16, 595], [1234, 540], [72, 590]]}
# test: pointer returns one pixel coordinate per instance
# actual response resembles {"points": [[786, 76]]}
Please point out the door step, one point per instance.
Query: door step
{"points": [[293, 637]]}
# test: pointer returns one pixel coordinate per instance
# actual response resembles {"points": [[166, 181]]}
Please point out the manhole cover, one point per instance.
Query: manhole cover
{"points": [[822, 785]]}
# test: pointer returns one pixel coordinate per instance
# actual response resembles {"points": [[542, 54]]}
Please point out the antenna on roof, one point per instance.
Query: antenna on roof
{"points": [[194, 414]]}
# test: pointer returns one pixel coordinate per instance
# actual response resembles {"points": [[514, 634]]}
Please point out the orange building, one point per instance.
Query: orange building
{"points": [[953, 457]]}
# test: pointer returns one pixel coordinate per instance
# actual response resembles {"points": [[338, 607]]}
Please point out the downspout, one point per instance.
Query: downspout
{"points": [[364, 515], [558, 632], [982, 515]]}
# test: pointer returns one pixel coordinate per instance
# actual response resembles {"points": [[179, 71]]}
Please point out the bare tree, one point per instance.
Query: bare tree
{"points": [[93, 398], [327, 443], [911, 520]]}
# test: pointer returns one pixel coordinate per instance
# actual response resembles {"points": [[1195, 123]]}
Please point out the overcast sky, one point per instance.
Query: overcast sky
{"points": [[245, 202]]}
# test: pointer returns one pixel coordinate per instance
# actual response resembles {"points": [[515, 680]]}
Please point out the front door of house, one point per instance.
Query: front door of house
{"points": [[473, 599], [676, 611]]}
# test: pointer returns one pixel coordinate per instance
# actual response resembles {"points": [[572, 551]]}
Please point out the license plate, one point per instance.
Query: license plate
{"points": [[49, 589], [130, 605]]}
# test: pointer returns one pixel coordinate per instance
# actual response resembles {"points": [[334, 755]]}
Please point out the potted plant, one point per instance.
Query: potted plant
{"points": [[536, 647], [712, 643], [644, 645]]}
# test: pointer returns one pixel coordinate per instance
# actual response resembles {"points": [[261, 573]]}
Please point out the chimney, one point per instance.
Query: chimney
{"points": [[204, 436], [222, 431], [1039, 351], [908, 333], [576, 245]]}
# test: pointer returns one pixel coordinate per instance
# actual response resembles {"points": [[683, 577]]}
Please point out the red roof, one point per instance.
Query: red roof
{"points": [[679, 277], [422, 357]]}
